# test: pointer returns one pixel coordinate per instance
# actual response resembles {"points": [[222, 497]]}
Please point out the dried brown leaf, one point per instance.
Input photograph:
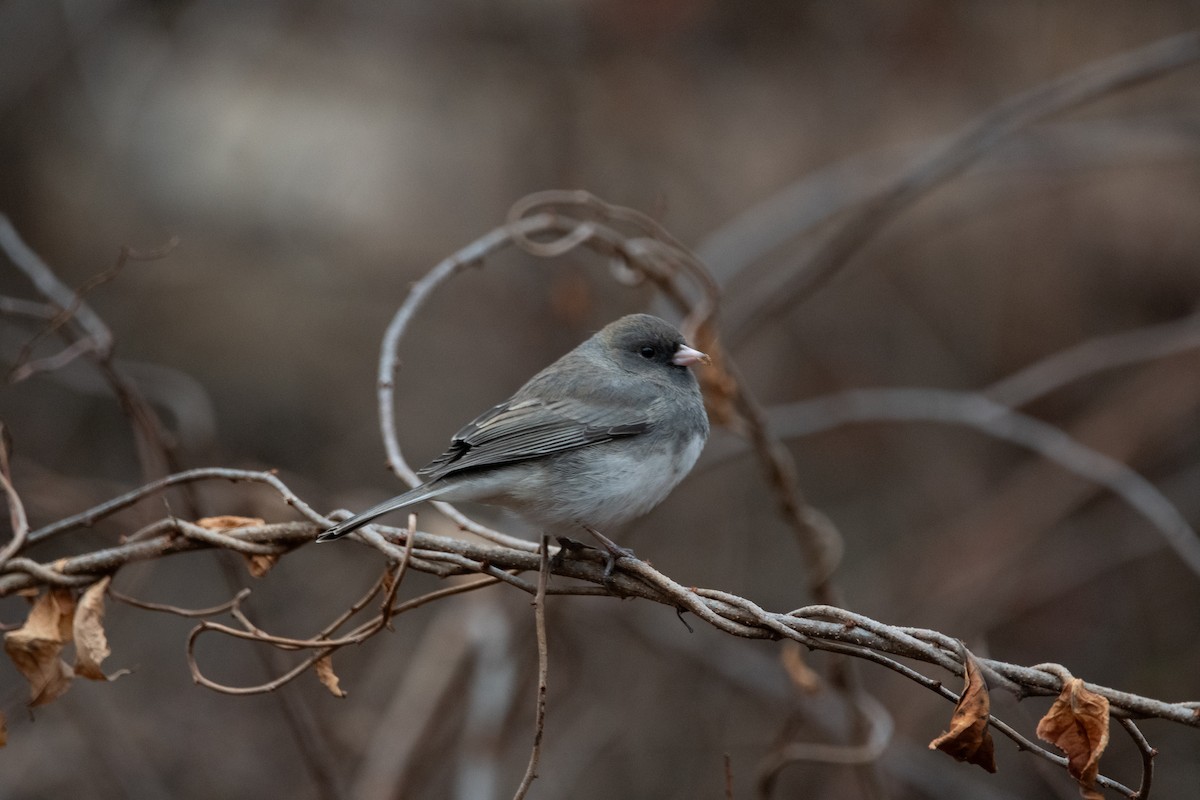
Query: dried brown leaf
{"points": [[1077, 724], [91, 645], [34, 647], [260, 565], [325, 674], [968, 738], [228, 522], [3, 730]]}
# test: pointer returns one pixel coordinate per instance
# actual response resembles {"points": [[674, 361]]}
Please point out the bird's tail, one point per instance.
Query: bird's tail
{"points": [[416, 495]]}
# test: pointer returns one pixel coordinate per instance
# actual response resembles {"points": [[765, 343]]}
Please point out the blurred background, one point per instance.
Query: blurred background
{"points": [[313, 159]]}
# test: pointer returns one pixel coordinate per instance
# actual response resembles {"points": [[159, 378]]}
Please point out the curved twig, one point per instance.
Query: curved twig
{"points": [[1148, 754], [16, 509], [977, 411], [880, 728], [211, 611]]}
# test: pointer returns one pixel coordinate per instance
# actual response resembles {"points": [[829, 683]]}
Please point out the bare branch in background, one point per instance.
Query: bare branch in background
{"points": [[86, 333], [977, 411], [1097, 355], [796, 282]]}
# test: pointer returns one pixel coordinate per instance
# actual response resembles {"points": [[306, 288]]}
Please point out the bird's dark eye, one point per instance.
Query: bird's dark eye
{"points": [[647, 352]]}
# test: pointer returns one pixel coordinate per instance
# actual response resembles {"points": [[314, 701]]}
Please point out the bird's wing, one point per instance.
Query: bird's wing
{"points": [[528, 428]]}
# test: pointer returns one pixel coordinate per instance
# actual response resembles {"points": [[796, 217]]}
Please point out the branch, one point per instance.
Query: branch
{"points": [[801, 280], [70, 304], [817, 627], [16, 509], [1096, 355], [979, 412], [87, 334], [539, 726]]}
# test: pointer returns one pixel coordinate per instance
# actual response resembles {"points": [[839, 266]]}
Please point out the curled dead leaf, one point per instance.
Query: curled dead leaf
{"points": [[259, 564], [1077, 724], [228, 522], [969, 739], [34, 647], [327, 677], [91, 645]]}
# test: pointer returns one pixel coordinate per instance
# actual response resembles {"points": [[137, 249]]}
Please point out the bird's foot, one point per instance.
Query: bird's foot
{"points": [[612, 552], [609, 550], [566, 546]]}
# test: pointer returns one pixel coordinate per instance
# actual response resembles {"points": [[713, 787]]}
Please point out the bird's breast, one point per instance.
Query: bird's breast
{"points": [[609, 484]]}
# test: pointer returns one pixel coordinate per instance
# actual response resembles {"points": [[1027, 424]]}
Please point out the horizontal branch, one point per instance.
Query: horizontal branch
{"points": [[817, 627]]}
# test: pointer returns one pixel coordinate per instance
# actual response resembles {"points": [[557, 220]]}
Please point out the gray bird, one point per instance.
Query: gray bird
{"points": [[594, 440]]}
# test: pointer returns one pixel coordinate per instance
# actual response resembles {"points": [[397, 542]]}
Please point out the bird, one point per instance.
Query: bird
{"points": [[597, 438]]}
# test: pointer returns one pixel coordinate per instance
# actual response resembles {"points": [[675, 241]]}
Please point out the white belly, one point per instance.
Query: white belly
{"points": [[601, 486], [616, 487]]}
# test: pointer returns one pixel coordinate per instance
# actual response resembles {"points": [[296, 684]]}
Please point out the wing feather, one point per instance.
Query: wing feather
{"points": [[529, 428]]}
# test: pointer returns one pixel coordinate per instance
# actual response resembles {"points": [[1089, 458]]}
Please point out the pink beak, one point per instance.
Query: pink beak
{"points": [[686, 357]]}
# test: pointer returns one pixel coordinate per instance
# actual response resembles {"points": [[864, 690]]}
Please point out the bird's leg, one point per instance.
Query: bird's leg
{"points": [[613, 551], [565, 546]]}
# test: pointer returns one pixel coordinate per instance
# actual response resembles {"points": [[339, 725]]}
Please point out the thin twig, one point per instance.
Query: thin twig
{"points": [[47, 283], [211, 611], [438, 594], [93, 515], [26, 367], [539, 616], [1148, 754], [323, 644], [99, 338], [16, 509], [19, 306], [386, 612], [389, 362]]}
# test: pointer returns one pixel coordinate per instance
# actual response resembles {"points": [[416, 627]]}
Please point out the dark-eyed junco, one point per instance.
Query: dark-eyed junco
{"points": [[597, 438]]}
